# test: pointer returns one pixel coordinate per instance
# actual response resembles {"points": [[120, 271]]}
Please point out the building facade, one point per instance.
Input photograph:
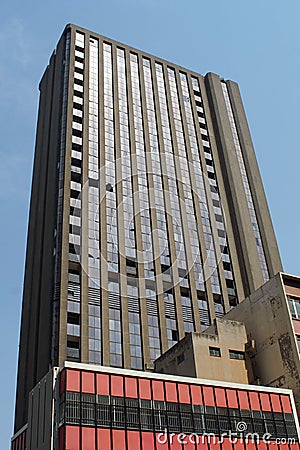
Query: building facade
{"points": [[148, 217], [86, 407]]}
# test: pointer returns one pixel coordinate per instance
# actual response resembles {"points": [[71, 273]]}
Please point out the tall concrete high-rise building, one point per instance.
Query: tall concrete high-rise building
{"points": [[148, 217]]}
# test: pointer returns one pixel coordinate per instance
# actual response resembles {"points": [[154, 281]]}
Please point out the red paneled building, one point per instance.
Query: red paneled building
{"points": [[114, 409]]}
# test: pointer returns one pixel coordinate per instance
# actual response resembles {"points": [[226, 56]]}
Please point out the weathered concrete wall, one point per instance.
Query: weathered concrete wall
{"points": [[191, 356], [268, 321], [229, 335]]}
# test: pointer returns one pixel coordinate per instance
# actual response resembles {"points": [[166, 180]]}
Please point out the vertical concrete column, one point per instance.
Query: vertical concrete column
{"points": [[244, 236], [254, 177]]}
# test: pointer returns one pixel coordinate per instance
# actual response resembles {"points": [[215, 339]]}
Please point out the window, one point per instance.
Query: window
{"points": [[72, 407], [118, 412], [298, 342], [294, 304], [73, 350], [103, 411], [146, 416], [173, 417], [234, 354], [132, 413], [180, 358], [215, 351], [88, 409]]}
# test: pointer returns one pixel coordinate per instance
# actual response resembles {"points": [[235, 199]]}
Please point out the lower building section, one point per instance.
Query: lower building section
{"points": [[19, 441], [97, 408], [271, 316], [103, 439]]}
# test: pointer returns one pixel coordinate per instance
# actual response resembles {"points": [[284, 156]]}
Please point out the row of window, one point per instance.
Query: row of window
{"points": [[233, 354], [73, 306], [147, 415]]}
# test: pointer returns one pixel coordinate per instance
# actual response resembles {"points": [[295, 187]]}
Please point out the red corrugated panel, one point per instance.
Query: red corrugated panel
{"points": [[88, 382], [61, 438], [72, 438], [208, 395], [261, 445], [265, 402], [190, 443], [294, 446], [73, 380], [171, 392], [286, 404], [282, 446], [243, 400], [131, 387], [202, 443], [103, 439], [133, 440], [88, 438], [117, 386], [196, 395], [275, 402], [147, 440], [232, 398], [214, 445], [62, 381], [102, 382], [161, 441], [227, 445], [158, 390], [24, 439], [118, 438], [220, 397], [176, 442], [144, 389], [184, 393], [249, 446], [254, 401], [240, 445]]}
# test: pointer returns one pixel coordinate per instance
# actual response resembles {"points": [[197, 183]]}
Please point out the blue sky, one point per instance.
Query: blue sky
{"points": [[254, 43]]}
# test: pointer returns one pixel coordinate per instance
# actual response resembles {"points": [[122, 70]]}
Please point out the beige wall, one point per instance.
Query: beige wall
{"points": [[268, 321], [225, 335], [229, 335]]}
